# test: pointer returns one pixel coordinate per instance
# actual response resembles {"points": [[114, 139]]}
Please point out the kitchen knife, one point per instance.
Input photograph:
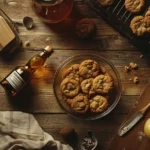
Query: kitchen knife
{"points": [[133, 120]]}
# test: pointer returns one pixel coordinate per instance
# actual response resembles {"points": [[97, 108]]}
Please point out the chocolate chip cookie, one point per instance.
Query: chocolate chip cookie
{"points": [[80, 104], [140, 25], [98, 104], [89, 69], [72, 72], [87, 86], [103, 84], [134, 6], [70, 87]]}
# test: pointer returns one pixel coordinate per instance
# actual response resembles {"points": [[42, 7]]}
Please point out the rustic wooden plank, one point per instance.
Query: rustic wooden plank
{"points": [[101, 128], [47, 102], [118, 58], [106, 36]]}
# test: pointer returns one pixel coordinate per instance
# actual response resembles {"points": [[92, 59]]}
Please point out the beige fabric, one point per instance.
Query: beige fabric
{"points": [[20, 131]]}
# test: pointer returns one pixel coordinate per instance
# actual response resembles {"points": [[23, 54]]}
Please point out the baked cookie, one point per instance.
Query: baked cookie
{"points": [[134, 6], [72, 72], [80, 104], [105, 2], [103, 84], [85, 28], [98, 104], [89, 69], [87, 86], [70, 87], [140, 25]]}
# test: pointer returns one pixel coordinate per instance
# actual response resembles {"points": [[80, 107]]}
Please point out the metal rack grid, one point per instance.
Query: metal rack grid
{"points": [[118, 16]]}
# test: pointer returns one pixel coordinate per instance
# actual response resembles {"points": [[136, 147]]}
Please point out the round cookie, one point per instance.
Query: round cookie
{"points": [[87, 86], [80, 104], [72, 72], [105, 2], [89, 69], [85, 28], [103, 84], [134, 6], [70, 87], [98, 104]]}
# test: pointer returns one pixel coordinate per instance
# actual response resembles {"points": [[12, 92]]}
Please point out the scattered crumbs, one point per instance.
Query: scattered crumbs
{"points": [[133, 65], [140, 135], [27, 43], [48, 39], [136, 80], [127, 69], [141, 56], [130, 79]]}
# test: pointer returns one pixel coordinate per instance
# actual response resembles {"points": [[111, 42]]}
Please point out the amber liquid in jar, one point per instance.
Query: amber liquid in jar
{"points": [[52, 12]]}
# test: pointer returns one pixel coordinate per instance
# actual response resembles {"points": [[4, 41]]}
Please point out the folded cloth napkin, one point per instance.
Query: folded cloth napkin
{"points": [[20, 131]]}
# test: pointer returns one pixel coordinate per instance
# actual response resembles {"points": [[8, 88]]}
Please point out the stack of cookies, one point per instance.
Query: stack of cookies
{"points": [[86, 87]]}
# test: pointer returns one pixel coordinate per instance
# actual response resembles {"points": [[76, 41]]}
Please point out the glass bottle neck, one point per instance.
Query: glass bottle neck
{"points": [[44, 54]]}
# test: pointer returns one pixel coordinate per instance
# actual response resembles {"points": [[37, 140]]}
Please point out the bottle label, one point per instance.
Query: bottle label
{"points": [[16, 81]]}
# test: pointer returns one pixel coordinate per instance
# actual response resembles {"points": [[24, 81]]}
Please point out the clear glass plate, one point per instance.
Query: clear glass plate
{"points": [[114, 95]]}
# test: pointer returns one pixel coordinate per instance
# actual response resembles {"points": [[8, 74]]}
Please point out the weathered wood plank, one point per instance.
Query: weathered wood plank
{"points": [[47, 102], [106, 36], [101, 128], [118, 58]]}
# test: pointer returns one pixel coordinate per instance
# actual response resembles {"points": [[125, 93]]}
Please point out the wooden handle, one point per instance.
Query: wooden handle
{"points": [[143, 110]]}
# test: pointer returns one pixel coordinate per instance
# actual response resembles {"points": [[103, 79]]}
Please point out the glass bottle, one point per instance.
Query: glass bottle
{"points": [[52, 11], [15, 81]]}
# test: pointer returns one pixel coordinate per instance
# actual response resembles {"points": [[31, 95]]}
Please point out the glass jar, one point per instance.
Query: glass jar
{"points": [[52, 11]]}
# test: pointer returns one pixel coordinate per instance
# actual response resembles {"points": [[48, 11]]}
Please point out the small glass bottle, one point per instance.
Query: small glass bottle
{"points": [[15, 81], [52, 11]]}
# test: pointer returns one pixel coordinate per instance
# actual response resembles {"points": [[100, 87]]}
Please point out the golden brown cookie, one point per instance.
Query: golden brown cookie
{"points": [[87, 86], [80, 104], [85, 28], [105, 2], [134, 6], [140, 25], [89, 69], [103, 84], [98, 104], [70, 87], [72, 72]]}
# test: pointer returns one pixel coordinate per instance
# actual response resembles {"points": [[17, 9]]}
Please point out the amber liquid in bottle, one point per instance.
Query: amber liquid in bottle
{"points": [[52, 12], [21, 75]]}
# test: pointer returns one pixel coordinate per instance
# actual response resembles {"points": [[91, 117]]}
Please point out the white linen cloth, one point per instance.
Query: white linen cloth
{"points": [[21, 131]]}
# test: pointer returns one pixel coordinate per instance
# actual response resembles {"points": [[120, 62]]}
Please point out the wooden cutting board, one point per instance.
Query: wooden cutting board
{"points": [[135, 138]]}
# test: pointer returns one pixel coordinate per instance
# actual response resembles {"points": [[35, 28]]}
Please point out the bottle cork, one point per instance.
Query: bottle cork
{"points": [[49, 49]]}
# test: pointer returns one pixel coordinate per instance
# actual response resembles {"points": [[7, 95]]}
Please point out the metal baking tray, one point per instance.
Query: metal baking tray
{"points": [[118, 17]]}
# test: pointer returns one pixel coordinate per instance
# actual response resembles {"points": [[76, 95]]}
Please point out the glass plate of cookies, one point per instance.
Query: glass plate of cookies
{"points": [[87, 87]]}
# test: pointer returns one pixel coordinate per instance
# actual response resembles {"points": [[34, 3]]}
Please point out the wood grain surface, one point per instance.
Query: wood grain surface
{"points": [[39, 98]]}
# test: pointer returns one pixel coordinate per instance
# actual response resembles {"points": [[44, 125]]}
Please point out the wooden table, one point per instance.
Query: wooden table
{"points": [[40, 99]]}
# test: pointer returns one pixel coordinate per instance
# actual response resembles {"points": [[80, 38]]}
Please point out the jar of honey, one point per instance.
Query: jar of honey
{"points": [[52, 11]]}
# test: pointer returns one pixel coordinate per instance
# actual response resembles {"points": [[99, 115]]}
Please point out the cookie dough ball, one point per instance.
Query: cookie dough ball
{"points": [[87, 86], [85, 28], [80, 104], [89, 69], [98, 104], [70, 87], [102, 84]]}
